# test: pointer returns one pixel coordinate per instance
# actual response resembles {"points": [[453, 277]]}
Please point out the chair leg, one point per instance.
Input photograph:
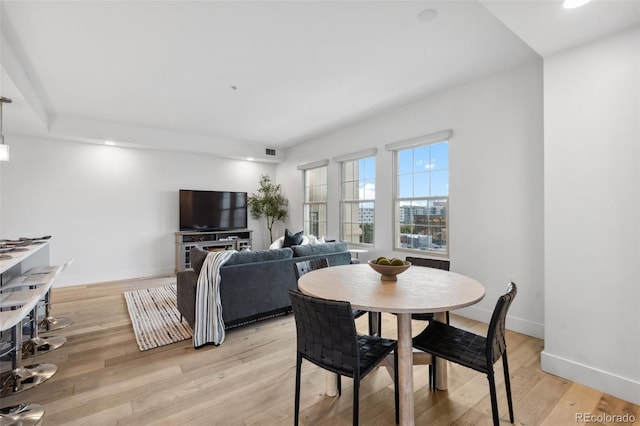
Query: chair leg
{"points": [[433, 373], [296, 414], [494, 398], [507, 383], [356, 398], [339, 383], [395, 385]]}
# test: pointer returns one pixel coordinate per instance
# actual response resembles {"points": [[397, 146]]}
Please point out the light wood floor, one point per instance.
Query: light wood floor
{"points": [[103, 379]]}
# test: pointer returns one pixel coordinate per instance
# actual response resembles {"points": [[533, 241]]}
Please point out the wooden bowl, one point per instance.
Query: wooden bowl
{"points": [[389, 272]]}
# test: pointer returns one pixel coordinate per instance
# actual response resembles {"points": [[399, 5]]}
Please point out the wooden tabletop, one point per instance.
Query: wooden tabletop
{"points": [[418, 289]]}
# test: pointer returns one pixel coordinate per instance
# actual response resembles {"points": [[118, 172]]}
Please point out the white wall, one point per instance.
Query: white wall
{"points": [[496, 182], [114, 210], [592, 215]]}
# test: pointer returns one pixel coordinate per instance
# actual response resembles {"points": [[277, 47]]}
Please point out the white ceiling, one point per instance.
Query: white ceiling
{"points": [[235, 77]]}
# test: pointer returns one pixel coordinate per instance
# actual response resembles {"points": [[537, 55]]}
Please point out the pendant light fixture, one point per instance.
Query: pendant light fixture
{"points": [[4, 148]]}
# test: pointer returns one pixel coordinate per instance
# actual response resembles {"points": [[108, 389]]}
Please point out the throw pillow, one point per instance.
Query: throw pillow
{"points": [[292, 239], [277, 243], [315, 240]]}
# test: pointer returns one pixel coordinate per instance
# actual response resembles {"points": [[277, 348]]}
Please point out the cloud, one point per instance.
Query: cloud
{"points": [[367, 191], [426, 165]]}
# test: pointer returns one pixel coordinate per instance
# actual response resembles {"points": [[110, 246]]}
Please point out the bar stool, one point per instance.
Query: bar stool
{"points": [[49, 323], [22, 414], [22, 378], [37, 285]]}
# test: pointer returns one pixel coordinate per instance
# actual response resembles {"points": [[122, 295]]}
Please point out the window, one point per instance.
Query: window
{"points": [[422, 194], [358, 200], [315, 201]]}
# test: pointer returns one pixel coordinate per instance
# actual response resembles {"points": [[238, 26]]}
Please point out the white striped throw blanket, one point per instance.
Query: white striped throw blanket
{"points": [[209, 326]]}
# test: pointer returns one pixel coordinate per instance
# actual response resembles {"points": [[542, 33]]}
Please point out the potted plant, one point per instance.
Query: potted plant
{"points": [[268, 203]]}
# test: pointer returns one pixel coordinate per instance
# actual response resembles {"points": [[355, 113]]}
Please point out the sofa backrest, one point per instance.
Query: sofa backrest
{"points": [[336, 251], [319, 249], [198, 255], [246, 256]]}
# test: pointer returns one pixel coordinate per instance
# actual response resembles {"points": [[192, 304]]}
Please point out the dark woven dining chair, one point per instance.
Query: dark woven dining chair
{"points": [[429, 316], [327, 337], [305, 266], [429, 263], [473, 351]]}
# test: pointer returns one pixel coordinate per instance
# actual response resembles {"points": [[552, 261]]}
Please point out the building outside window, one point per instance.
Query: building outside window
{"points": [[422, 194], [315, 201], [358, 200]]}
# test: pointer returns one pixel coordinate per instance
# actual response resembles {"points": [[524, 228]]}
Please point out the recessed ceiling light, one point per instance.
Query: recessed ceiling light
{"points": [[249, 158], [427, 15], [572, 4], [110, 143]]}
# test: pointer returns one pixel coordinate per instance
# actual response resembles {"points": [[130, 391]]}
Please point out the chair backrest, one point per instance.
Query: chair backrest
{"points": [[326, 333], [430, 263], [496, 342], [305, 266]]}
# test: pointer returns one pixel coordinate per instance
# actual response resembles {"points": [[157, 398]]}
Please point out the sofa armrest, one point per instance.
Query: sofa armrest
{"points": [[186, 285]]}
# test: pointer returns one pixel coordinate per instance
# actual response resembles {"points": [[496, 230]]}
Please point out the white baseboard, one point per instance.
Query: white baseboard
{"points": [[67, 279], [603, 381], [518, 325]]}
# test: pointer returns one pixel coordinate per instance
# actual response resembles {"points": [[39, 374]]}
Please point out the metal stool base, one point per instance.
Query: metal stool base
{"points": [[51, 324], [39, 345], [23, 414], [24, 378]]}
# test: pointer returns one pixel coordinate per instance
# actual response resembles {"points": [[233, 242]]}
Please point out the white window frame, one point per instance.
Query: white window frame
{"points": [[354, 199], [396, 148], [318, 205]]}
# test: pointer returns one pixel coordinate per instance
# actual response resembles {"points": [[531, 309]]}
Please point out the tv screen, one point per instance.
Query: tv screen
{"points": [[212, 210]]}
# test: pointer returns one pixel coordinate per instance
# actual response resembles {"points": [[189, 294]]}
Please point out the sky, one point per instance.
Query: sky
{"points": [[423, 172]]}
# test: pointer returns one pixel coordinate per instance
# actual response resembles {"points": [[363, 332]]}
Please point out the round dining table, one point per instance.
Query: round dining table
{"points": [[417, 290]]}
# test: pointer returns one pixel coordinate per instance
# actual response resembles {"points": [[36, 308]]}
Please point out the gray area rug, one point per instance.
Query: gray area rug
{"points": [[155, 317]]}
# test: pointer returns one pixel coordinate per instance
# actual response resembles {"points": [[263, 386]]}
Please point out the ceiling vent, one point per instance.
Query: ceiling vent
{"points": [[270, 151]]}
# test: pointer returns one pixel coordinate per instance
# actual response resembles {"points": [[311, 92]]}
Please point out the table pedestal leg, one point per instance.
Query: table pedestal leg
{"points": [[330, 384], [441, 364], [405, 369]]}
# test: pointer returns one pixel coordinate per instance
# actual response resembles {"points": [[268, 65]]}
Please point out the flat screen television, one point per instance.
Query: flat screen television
{"points": [[212, 210]]}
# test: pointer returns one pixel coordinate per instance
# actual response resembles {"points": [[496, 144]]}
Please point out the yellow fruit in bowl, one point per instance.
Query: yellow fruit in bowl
{"points": [[384, 261], [379, 259], [397, 262]]}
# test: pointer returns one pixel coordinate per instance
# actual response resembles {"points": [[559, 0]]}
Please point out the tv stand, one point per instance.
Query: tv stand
{"points": [[233, 239]]}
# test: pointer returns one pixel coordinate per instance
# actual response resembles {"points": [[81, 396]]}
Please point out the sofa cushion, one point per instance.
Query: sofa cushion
{"points": [[197, 257], [291, 239], [259, 256], [316, 249]]}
